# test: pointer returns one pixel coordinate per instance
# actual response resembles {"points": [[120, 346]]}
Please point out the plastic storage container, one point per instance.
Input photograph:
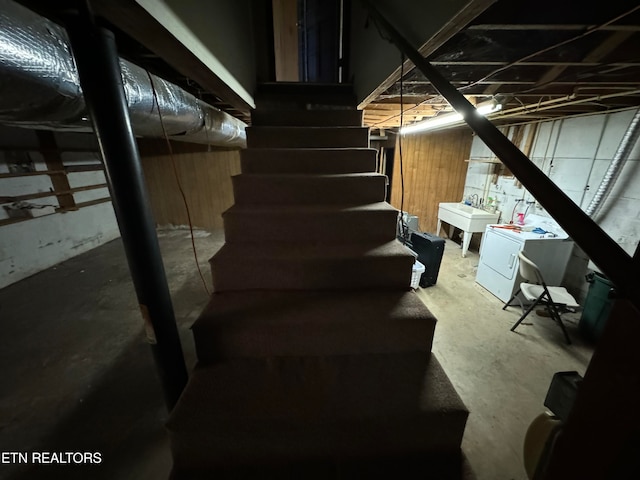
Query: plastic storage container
{"points": [[597, 306], [418, 270]]}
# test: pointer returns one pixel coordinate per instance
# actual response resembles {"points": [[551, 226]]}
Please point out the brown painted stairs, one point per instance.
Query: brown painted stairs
{"points": [[314, 354]]}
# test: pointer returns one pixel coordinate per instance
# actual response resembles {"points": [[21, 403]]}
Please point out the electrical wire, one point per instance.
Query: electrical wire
{"points": [[179, 183], [403, 226]]}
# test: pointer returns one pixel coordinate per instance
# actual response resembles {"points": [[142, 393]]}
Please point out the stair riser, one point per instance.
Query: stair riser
{"points": [[259, 190], [312, 274], [213, 345], [311, 137], [287, 409], [329, 161], [341, 227], [341, 441], [303, 96], [307, 118]]}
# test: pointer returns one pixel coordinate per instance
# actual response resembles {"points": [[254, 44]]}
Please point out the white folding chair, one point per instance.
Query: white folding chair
{"points": [[534, 289]]}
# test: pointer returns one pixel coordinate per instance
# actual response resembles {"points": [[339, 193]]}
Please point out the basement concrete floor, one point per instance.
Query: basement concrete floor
{"points": [[77, 375]]}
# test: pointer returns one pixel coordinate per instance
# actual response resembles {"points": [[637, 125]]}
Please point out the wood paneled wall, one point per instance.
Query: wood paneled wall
{"points": [[205, 178], [435, 171], [285, 35]]}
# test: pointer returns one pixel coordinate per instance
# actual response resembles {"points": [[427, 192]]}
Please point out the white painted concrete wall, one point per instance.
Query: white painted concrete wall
{"points": [[575, 154], [33, 245]]}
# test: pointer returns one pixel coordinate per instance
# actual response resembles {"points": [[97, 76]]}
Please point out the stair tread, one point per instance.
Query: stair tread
{"points": [[253, 409], [264, 323]]}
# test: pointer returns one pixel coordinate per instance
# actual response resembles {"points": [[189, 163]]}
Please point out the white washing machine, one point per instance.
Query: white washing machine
{"points": [[498, 266]]}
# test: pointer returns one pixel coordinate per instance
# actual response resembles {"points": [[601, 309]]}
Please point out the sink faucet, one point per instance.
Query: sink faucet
{"points": [[474, 203]]}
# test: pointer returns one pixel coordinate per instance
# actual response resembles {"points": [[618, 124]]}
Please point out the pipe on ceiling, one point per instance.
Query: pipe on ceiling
{"points": [[558, 103], [40, 89], [618, 161]]}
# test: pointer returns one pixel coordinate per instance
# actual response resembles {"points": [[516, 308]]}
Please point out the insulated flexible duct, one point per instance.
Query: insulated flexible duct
{"points": [[627, 143], [40, 88]]}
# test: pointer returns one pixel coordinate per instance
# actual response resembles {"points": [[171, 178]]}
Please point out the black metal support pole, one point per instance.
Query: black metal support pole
{"points": [[98, 65], [600, 247]]}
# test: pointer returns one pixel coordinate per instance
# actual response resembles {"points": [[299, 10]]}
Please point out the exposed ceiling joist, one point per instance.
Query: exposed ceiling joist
{"points": [[536, 51], [552, 26]]}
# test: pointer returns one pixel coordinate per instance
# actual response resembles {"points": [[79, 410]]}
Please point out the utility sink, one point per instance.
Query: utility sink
{"points": [[465, 217]]}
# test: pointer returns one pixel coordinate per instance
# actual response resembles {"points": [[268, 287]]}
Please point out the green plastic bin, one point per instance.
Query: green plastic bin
{"points": [[597, 306]]}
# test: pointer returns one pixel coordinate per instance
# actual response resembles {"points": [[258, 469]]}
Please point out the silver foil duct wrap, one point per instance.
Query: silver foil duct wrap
{"points": [[40, 88]]}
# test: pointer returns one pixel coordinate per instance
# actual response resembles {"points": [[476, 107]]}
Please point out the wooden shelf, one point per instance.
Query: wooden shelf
{"points": [[92, 167], [31, 174], [31, 196], [22, 148], [483, 160], [97, 201]]}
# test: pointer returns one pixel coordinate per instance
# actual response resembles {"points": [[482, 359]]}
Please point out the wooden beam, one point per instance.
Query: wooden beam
{"points": [[493, 89], [38, 173], [543, 63], [595, 56], [608, 46], [285, 39], [70, 191], [408, 109], [388, 114], [96, 201], [551, 74], [91, 167], [57, 174], [528, 146]]}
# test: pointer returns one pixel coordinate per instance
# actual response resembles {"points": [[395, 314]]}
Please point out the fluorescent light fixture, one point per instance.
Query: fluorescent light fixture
{"points": [[449, 118]]}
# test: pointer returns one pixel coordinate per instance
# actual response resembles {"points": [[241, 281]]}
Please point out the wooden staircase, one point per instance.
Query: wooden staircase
{"points": [[314, 354]]}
